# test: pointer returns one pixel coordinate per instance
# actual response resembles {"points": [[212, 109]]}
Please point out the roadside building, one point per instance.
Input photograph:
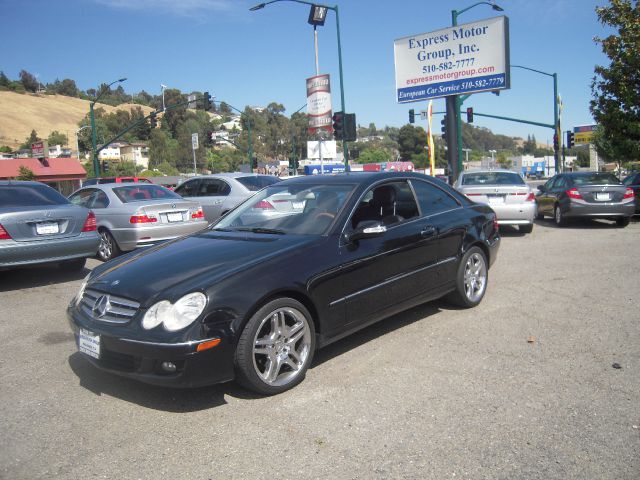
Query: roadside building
{"points": [[137, 153], [63, 174]]}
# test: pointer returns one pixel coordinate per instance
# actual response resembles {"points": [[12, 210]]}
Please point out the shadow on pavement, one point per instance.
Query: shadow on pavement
{"points": [[175, 400], [379, 329], [37, 276], [196, 399], [579, 224]]}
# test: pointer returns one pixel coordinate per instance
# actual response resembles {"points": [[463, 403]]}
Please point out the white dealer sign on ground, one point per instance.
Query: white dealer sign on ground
{"points": [[472, 57]]}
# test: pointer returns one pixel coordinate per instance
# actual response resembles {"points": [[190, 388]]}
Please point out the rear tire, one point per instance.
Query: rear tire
{"points": [[622, 222], [471, 279], [108, 248], [74, 265], [526, 228], [558, 217]]}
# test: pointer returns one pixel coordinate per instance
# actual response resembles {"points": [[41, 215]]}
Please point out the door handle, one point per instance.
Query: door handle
{"points": [[428, 231]]}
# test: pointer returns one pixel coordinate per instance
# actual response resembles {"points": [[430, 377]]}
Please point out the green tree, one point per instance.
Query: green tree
{"points": [[26, 173], [57, 138], [33, 137], [5, 149], [616, 88], [4, 81], [374, 155], [29, 82], [412, 143]]}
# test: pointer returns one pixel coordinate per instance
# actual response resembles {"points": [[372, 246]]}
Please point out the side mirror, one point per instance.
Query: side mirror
{"points": [[366, 229], [541, 188]]}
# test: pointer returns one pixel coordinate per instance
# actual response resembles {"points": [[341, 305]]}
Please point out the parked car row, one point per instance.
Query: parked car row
{"points": [[562, 197]]}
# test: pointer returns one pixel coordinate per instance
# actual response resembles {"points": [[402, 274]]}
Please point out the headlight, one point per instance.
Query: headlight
{"points": [[174, 317], [80, 293]]}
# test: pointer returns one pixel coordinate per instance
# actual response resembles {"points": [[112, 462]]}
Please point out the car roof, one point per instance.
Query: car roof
{"points": [[22, 182], [230, 175], [488, 170], [353, 177]]}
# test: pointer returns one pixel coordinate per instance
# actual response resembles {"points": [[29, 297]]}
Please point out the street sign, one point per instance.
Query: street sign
{"points": [[194, 141], [192, 102], [39, 149], [424, 114], [468, 58], [583, 134]]}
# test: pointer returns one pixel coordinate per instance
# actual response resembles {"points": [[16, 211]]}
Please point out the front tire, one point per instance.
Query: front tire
{"points": [[471, 279], [276, 347], [108, 248]]}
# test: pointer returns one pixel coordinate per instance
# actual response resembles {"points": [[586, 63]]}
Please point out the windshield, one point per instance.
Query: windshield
{"points": [[492, 178], [30, 196], [596, 179], [281, 209], [255, 183], [141, 192]]}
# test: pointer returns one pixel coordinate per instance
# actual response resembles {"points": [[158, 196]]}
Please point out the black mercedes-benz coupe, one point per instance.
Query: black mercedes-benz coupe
{"points": [[302, 263]]}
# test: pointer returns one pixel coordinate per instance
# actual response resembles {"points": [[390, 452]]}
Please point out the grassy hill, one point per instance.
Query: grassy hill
{"points": [[21, 113]]}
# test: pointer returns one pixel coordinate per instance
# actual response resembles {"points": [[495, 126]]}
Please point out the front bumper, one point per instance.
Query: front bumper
{"points": [[15, 254], [142, 360]]}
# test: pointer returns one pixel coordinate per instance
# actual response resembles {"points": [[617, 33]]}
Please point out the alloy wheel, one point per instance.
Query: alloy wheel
{"points": [[475, 277], [281, 346]]}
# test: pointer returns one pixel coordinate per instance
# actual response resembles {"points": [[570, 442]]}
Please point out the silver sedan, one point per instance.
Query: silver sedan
{"points": [[138, 215], [505, 192], [221, 192], [39, 225]]}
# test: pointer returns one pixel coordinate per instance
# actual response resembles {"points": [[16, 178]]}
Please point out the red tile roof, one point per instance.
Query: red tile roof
{"points": [[58, 169]]}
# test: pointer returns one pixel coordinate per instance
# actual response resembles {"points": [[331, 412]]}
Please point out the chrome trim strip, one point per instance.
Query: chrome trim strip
{"points": [[391, 280], [159, 344]]}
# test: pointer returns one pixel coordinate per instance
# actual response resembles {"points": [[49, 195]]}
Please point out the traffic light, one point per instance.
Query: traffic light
{"points": [[206, 101], [105, 166], [412, 116], [338, 125], [470, 115], [556, 146], [254, 162], [208, 139], [443, 128], [153, 120], [571, 140], [350, 134]]}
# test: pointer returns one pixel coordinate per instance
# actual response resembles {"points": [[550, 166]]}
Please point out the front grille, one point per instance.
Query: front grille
{"points": [[110, 310]]}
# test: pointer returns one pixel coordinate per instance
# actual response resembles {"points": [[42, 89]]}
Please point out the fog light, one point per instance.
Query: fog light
{"points": [[168, 367]]}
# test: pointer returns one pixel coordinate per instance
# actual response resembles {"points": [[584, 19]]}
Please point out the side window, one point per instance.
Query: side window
{"points": [[432, 199], [82, 197], [99, 200], [188, 188], [388, 203], [549, 185], [212, 187], [561, 182]]}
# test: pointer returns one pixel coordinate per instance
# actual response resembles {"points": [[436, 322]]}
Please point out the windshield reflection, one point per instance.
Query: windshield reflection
{"points": [[289, 209]]}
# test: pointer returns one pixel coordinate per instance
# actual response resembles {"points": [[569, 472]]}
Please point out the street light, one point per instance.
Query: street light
{"points": [[555, 106], [96, 164], [453, 101], [318, 12], [163, 87]]}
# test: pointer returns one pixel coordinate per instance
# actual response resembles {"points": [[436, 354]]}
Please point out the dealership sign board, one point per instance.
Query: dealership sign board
{"points": [[468, 58], [319, 103], [583, 134], [39, 149]]}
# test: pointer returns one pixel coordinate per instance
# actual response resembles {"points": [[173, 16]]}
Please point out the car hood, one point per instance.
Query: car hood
{"points": [[181, 266]]}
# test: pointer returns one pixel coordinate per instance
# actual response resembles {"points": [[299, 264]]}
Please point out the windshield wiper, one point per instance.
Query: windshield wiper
{"points": [[261, 230], [219, 229]]}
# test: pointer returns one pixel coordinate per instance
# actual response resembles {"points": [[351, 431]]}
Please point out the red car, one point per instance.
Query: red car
{"points": [[94, 181]]}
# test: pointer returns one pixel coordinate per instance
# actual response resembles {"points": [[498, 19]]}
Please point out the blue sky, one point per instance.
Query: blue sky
{"points": [[254, 58]]}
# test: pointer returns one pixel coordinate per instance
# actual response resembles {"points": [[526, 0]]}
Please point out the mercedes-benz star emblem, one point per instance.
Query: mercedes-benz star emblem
{"points": [[102, 306]]}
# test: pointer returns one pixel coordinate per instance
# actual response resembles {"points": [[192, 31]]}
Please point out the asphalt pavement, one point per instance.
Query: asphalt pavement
{"points": [[525, 386]]}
